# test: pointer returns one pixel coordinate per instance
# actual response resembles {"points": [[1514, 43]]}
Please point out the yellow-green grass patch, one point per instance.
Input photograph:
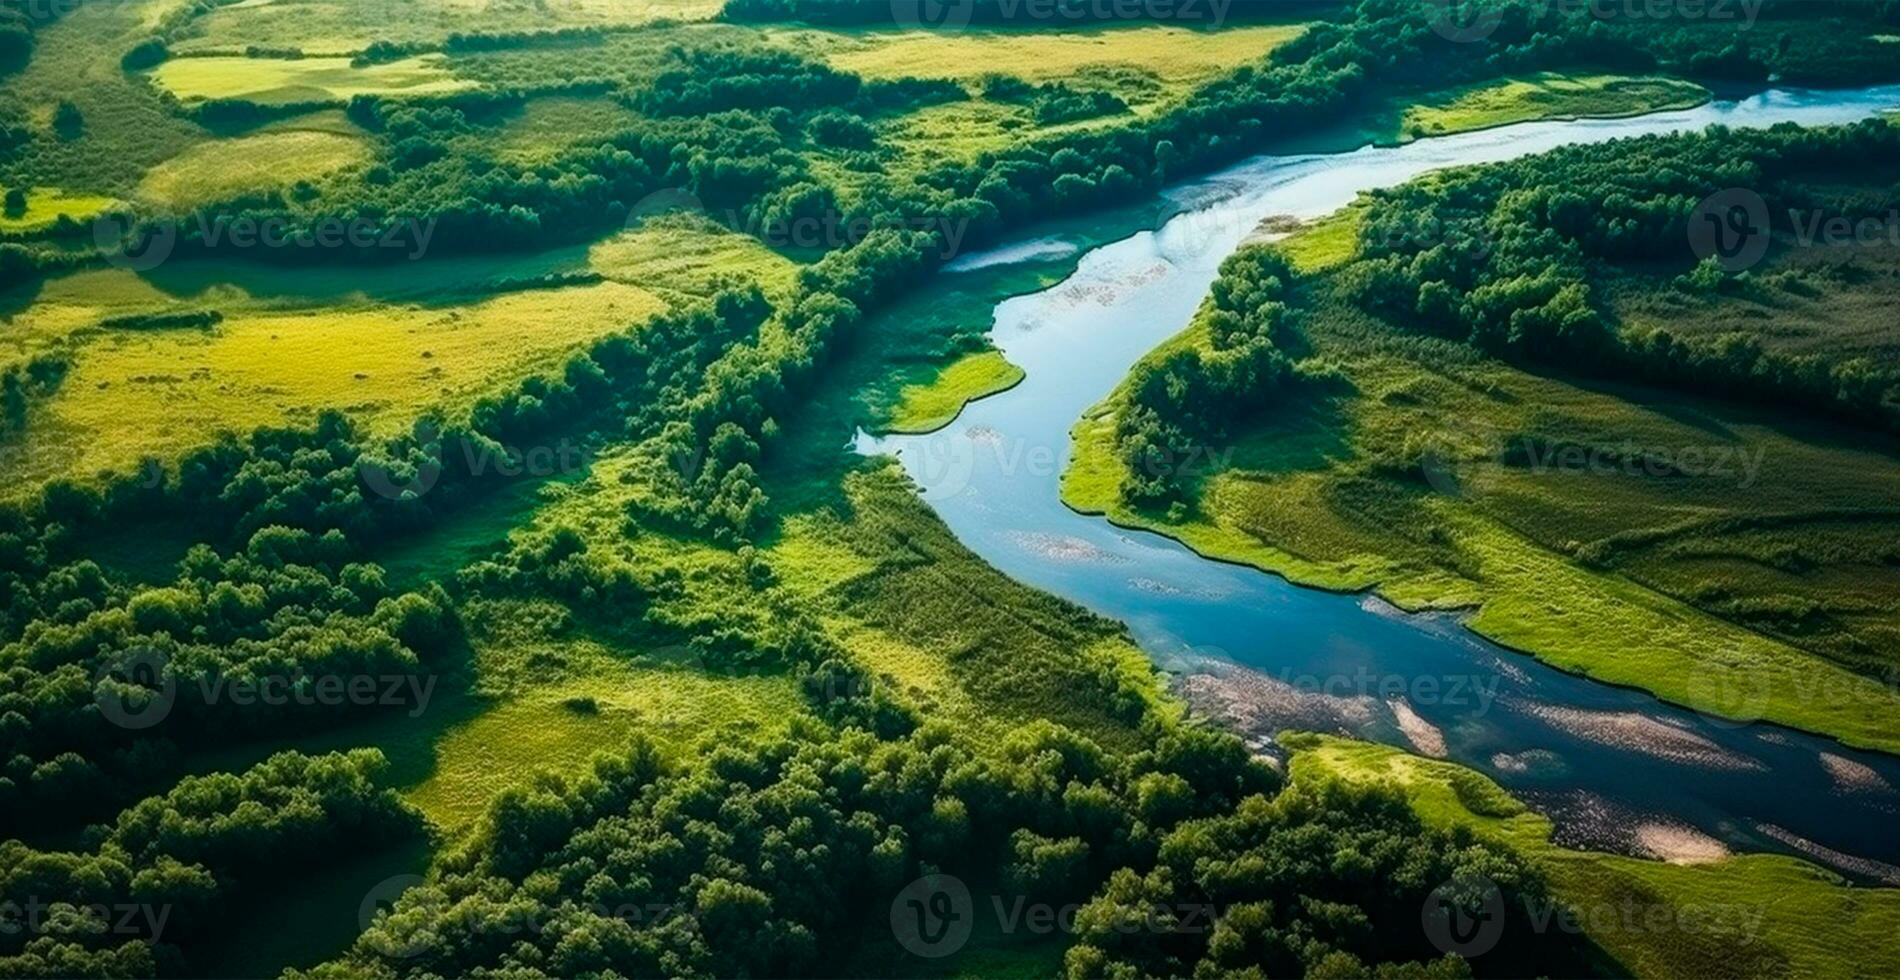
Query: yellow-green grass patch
{"points": [[1175, 57], [690, 255], [132, 394], [46, 205], [929, 407], [545, 127], [960, 131], [560, 727], [287, 81], [384, 343], [1327, 243], [222, 169], [1547, 95], [1784, 916], [320, 27]]}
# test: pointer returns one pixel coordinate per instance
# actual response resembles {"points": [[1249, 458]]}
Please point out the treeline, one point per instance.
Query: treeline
{"points": [[296, 601], [168, 874], [721, 133], [1511, 257], [1185, 856], [702, 465], [99, 697], [1187, 396], [19, 20], [22, 384], [1053, 102], [916, 13], [384, 52], [709, 80]]}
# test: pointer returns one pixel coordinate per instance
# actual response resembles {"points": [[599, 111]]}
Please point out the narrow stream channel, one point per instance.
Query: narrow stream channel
{"points": [[1614, 768]]}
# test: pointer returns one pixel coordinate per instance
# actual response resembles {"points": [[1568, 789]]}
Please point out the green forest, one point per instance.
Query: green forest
{"points": [[430, 545]]}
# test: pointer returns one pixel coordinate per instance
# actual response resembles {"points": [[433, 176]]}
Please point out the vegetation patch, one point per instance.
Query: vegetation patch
{"points": [[301, 81], [137, 394], [1729, 554], [1548, 95], [1775, 906], [320, 28], [926, 408], [1138, 63], [37, 209], [219, 170], [690, 256]]}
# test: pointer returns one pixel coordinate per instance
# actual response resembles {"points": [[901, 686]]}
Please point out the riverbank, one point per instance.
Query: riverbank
{"points": [[1304, 492], [1757, 914]]}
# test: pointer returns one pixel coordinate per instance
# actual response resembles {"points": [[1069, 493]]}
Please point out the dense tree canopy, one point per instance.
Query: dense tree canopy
{"points": [[766, 860]]}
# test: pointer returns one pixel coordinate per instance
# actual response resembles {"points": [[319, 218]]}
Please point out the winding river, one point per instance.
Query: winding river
{"points": [[1614, 768]]}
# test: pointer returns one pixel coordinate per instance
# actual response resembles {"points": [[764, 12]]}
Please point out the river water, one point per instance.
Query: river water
{"points": [[1614, 768]]}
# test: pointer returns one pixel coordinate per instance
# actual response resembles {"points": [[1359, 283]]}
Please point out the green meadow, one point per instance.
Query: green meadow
{"points": [[1756, 914]]}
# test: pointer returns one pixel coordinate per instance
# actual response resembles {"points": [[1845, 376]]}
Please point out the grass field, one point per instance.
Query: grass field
{"points": [[384, 344], [288, 81], [1143, 64], [222, 169], [126, 127], [926, 408], [689, 255], [1835, 300], [546, 126], [320, 27], [1755, 915], [46, 205], [1443, 111], [1547, 95]]}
